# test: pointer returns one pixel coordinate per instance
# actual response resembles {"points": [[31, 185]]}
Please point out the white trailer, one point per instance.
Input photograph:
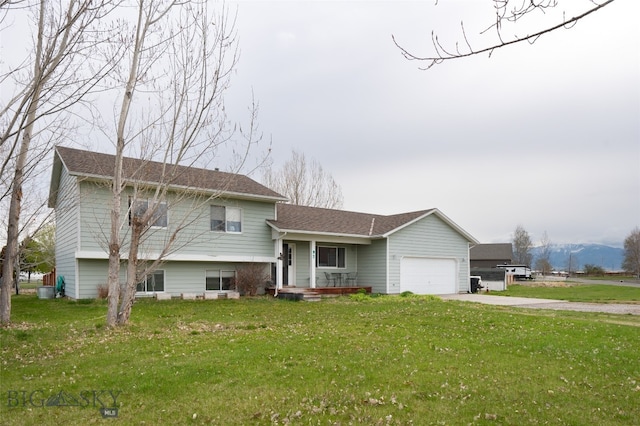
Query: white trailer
{"points": [[519, 272]]}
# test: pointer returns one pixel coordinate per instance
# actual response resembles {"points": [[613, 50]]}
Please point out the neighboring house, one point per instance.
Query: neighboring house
{"points": [[491, 255], [241, 222]]}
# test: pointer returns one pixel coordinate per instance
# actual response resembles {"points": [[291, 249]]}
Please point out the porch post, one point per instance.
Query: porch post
{"points": [[312, 263], [279, 257]]}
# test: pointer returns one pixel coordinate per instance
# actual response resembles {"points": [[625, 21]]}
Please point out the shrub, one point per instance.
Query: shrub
{"points": [[103, 291], [252, 277], [359, 297], [593, 270]]}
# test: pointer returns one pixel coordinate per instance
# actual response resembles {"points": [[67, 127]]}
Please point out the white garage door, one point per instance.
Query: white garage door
{"points": [[428, 276]]}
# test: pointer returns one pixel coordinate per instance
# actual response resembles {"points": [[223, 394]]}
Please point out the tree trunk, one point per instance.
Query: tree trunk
{"points": [[11, 253], [116, 291], [128, 293], [13, 226]]}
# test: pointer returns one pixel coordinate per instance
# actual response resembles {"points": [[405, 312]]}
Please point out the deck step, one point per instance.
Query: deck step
{"points": [[311, 296], [306, 295]]}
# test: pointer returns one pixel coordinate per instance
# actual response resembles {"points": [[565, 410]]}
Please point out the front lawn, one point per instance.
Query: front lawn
{"points": [[574, 292], [359, 360]]}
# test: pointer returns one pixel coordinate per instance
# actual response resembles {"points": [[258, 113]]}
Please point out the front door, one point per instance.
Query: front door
{"points": [[288, 264]]}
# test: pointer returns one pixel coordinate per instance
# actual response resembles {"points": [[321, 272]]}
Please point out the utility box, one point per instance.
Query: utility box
{"points": [[476, 283], [46, 292]]}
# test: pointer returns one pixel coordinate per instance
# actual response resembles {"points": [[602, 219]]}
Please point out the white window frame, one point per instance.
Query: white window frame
{"points": [[341, 261], [145, 283], [161, 212], [221, 275], [228, 225]]}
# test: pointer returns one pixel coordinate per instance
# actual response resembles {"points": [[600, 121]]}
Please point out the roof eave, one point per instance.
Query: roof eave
{"points": [[232, 194], [320, 233], [443, 217], [54, 184]]}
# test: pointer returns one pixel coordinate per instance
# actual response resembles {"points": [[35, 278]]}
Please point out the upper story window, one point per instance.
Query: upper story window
{"points": [[226, 219], [331, 257], [160, 217]]}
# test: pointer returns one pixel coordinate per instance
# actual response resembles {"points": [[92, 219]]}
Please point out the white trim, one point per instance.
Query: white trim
{"points": [[76, 289], [182, 257], [333, 237], [278, 262], [78, 209], [291, 269], [312, 263], [388, 267]]}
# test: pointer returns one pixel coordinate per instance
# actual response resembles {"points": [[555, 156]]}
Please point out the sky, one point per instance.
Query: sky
{"points": [[543, 135]]}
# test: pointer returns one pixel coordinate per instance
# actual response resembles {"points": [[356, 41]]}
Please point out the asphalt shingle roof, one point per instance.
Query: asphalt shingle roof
{"points": [[318, 220], [94, 164], [497, 251]]}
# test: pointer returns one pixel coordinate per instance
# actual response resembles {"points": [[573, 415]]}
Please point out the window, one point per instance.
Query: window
{"points": [[331, 257], [217, 280], [226, 219], [153, 282], [138, 208]]}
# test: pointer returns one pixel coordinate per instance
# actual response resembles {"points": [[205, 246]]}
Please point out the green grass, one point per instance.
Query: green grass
{"points": [[361, 360], [30, 285], [627, 278], [573, 292]]}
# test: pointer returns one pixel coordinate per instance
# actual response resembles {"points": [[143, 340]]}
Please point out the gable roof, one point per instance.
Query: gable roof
{"points": [[498, 251], [315, 220], [101, 166]]}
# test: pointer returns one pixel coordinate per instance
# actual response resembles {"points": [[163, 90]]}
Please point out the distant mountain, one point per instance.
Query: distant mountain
{"points": [[607, 257]]}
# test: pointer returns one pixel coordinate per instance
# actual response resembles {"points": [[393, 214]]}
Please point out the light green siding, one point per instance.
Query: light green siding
{"points": [[83, 224], [92, 274], [67, 213], [428, 237], [190, 215], [372, 266], [180, 277], [189, 277], [302, 278]]}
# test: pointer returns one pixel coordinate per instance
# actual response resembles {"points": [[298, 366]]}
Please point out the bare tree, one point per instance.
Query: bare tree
{"points": [[304, 183], [572, 263], [181, 57], [521, 246], [543, 261], [508, 14], [43, 85], [631, 262]]}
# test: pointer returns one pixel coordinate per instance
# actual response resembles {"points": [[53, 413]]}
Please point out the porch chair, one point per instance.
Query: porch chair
{"points": [[352, 279], [329, 279]]}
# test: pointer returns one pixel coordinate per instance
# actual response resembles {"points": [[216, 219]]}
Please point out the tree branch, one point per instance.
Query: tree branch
{"points": [[443, 55]]}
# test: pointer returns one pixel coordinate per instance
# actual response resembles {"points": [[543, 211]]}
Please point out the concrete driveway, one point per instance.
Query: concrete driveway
{"points": [[563, 305]]}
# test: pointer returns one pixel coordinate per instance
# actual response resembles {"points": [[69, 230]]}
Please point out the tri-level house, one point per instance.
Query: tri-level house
{"points": [[241, 222]]}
